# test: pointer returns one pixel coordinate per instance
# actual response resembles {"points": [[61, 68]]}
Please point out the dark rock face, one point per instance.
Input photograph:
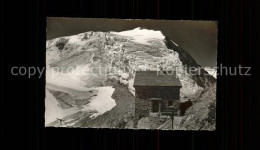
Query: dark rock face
{"points": [[202, 114], [120, 116], [142, 108], [202, 78], [184, 106], [61, 43], [67, 100]]}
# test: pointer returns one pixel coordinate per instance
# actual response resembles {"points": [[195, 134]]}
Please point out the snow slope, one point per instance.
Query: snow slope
{"points": [[97, 105], [102, 102], [53, 111], [143, 36], [68, 80]]}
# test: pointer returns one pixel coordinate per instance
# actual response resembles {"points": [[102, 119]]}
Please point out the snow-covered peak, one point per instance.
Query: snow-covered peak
{"points": [[142, 35], [122, 53]]}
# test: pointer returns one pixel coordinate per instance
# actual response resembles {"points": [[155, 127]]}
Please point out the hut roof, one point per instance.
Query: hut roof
{"points": [[156, 78]]}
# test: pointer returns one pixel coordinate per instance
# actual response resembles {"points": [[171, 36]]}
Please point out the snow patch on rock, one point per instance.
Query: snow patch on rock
{"points": [[103, 102], [211, 71]]}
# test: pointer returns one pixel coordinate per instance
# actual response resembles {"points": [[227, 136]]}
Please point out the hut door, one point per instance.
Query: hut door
{"points": [[155, 106]]}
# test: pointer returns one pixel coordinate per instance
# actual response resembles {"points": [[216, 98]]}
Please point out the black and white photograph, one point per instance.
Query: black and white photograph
{"points": [[138, 74], [131, 74]]}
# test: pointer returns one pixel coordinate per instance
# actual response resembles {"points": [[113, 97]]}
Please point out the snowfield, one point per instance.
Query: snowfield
{"points": [[98, 105], [102, 102], [140, 35], [53, 111], [68, 80]]}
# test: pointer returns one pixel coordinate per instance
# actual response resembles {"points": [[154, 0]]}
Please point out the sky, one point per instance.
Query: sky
{"points": [[198, 38]]}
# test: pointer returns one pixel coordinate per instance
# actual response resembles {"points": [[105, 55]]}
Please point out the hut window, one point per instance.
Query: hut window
{"points": [[170, 103]]}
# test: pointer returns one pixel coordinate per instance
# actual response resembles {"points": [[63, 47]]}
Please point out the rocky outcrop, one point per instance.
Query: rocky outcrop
{"points": [[202, 114], [121, 116]]}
